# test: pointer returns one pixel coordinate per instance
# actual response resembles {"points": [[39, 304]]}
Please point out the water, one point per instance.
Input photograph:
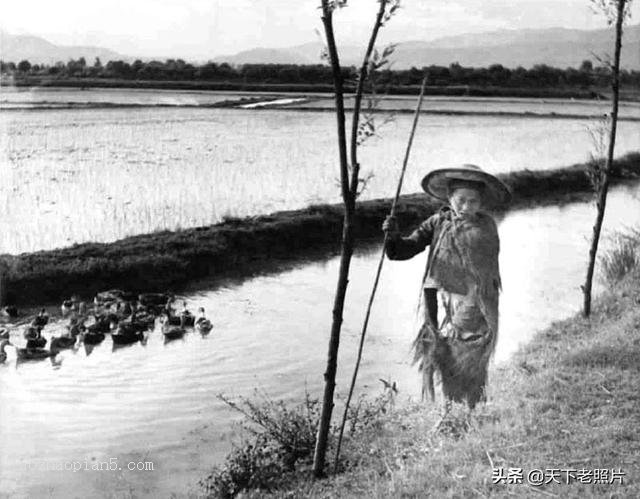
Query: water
{"points": [[558, 107], [43, 97], [46, 97], [157, 403], [103, 174]]}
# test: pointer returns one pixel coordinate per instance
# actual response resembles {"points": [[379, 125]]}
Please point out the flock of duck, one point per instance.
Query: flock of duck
{"points": [[127, 317]]}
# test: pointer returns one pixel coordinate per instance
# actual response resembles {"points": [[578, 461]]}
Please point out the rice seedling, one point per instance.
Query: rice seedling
{"points": [[73, 176]]}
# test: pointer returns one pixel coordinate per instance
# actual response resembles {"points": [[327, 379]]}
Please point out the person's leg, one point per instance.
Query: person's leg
{"points": [[431, 302]]}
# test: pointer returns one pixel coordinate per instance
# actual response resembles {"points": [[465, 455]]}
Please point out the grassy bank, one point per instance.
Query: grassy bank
{"points": [[241, 247], [568, 401], [453, 90]]}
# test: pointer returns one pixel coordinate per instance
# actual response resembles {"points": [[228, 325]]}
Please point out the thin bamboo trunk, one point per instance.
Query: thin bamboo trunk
{"points": [[355, 165], [604, 187], [349, 192], [345, 259]]}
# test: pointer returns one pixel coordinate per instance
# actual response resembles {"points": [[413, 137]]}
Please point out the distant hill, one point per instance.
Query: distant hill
{"points": [[39, 51], [558, 47]]}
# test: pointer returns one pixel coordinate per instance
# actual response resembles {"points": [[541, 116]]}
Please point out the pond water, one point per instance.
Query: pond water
{"points": [[157, 403], [103, 174]]}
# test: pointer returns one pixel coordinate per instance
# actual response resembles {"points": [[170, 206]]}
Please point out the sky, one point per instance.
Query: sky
{"points": [[203, 29]]}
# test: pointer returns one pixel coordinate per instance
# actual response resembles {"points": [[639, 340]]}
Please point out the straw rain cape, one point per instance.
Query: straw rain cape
{"points": [[465, 267]]}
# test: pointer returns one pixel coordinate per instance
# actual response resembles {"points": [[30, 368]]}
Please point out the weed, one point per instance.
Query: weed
{"points": [[624, 257], [283, 440]]}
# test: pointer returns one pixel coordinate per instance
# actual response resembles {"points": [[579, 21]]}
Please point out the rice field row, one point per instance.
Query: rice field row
{"points": [[99, 175]]}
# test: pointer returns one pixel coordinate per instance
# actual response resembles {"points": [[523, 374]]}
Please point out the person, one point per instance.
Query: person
{"points": [[462, 268]]}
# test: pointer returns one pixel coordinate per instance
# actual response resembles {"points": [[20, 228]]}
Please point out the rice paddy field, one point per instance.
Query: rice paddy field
{"points": [[99, 174]]}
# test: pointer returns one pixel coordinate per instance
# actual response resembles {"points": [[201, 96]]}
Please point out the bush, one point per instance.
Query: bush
{"points": [[283, 439], [255, 465], [622, 258]]}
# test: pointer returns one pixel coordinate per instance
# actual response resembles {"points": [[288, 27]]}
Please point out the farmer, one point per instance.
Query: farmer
{"points": [[462, 267]]}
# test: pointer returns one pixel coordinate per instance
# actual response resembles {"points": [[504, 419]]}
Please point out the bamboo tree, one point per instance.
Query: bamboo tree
{"points": [[616, 12], [349, 181]]}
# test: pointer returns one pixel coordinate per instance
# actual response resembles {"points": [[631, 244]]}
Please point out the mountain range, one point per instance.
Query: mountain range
{"points": [[559, 47]]}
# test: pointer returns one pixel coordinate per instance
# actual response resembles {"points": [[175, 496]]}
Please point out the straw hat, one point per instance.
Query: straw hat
{"points": [[436, 183]]}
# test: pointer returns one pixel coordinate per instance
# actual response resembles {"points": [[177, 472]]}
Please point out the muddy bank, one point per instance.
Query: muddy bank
{"points": [[241, 247]]}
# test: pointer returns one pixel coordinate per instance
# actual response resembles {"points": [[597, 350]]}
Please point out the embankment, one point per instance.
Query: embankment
{"points": [[242, 247], [240, 86]]}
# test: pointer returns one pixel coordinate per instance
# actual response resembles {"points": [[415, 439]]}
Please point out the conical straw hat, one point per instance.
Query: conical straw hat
{"points": [[436, 182]]}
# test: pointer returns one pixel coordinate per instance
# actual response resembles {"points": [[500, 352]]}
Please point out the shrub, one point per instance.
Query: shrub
{"points": [[622, 258], [254, 465], [281, 439]]}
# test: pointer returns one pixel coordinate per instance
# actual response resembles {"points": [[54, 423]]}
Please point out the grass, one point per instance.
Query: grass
{"points": [[568, 401], [241, 246], [622, 258]]}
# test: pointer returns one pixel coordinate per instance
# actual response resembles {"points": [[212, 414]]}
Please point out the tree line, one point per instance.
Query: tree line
{"points": [[541, 75]]}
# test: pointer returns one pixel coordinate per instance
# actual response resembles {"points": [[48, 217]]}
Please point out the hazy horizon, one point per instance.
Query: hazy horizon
{"points": [[206, 29]]}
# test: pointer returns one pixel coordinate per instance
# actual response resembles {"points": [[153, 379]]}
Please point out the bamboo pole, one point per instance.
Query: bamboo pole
{"points": [[378, 271]]}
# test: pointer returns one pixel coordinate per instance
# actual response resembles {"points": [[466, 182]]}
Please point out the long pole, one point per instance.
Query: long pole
{"points": [[379, 270]]}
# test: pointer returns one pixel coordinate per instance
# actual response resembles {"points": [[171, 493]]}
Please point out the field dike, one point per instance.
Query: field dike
{"points": [[239, 86], [238, 248]]}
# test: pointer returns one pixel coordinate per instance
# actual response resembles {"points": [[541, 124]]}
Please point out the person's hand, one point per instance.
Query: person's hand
{"points": [[390, 226]]}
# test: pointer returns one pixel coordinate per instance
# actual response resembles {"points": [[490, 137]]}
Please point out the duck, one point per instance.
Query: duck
{"points": [[4, 341], [34, 338], [125, 333], [40, 320], [144, 320], [100, 324], [113, 295], [171, 331], [91, 338], [34, 353], [154, 299], [126, 308], [10, 311], [62, 342], [184, 319], [202, 324], [75, 327], [66, 307]]}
